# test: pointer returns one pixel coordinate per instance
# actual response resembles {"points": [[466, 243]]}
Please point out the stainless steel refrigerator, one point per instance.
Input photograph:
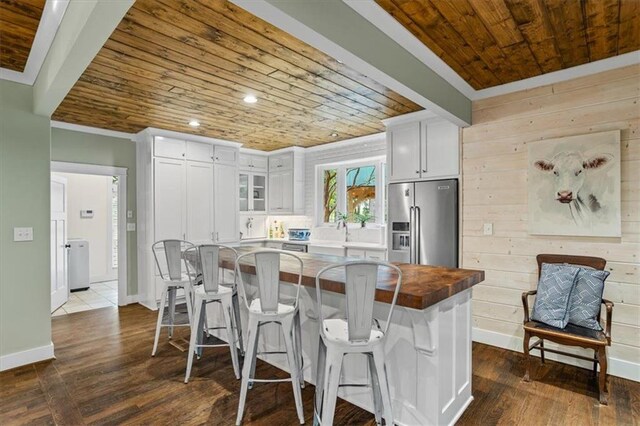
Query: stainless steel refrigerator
{"points": [[423, 222]]}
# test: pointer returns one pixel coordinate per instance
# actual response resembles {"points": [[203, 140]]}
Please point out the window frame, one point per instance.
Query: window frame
{"points": [[341, 189]]}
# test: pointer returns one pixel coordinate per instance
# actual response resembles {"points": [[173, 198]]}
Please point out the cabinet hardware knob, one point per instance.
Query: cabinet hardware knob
{"points": [[417, 171], [424, 171]]}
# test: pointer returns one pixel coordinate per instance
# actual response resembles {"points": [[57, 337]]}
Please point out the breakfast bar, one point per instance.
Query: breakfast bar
{"points": [[428, 348]]}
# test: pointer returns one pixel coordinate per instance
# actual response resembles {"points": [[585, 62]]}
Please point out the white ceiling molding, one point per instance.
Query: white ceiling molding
{"points": [[49, 22], [92, 130], [376, 137], [386, 23]]}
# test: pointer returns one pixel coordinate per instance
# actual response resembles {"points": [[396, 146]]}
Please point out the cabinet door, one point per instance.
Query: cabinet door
{"points": [[359, 253], [287, 191], [259, 163], [199, 202], [225, 155], [244, 161], [243, 191], [258, 193], [281, 162], [404, 142], [169, 199], [442, 150], [198, 151], [275, 192], [375, 255], [168, 148], [225, 203]]}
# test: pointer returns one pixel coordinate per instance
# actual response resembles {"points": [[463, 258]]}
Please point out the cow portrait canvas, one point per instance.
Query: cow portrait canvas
{"points": [[574, 185]]}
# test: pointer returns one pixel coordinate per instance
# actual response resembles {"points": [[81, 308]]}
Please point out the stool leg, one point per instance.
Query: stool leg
{"points": [[172, 309], [375, 387], [163, 300], [194, 338], [201, 323], [227, 308], [238, 322], [378, 358], [322, 362], [298, 342], [541, 351], [252, 340], [188, 296], [331, 384], [602, 380], [292, 355], [253, 360]]}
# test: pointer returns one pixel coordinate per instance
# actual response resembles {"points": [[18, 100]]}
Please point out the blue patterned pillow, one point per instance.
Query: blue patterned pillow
{"points": [[554, 292], [586, 298]]}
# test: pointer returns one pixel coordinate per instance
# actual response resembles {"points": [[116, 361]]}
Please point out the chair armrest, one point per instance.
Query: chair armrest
{"points": [[525, 303], [607, 331]]}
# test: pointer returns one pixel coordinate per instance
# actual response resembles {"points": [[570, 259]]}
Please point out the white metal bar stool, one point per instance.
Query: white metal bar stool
{"points": [[358, 333], [269, 307], [168, 256], [203, 267]]}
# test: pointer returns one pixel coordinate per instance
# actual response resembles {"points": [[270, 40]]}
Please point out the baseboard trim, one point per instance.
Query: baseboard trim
{"points": [[617, 367], [18, 359], [130, 299]]}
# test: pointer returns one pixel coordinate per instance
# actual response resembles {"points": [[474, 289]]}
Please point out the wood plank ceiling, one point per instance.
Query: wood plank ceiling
{"points": [[19, 21], [170, 61], [493, 42]]}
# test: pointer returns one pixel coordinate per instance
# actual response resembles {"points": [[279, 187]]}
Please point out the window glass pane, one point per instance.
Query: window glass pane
{"points": [[361, 193], [330, 198]]}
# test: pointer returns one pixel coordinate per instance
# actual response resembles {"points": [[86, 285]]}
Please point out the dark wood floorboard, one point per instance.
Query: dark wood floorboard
{"points": [[104, 375]]}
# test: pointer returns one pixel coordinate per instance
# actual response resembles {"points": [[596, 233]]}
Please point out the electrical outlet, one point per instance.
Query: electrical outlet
{"points": [[129, 214], [488, 229], [22, 234], [131, 226]]}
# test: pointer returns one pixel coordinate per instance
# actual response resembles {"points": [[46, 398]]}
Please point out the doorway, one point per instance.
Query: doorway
{"points": [[88, 237]]}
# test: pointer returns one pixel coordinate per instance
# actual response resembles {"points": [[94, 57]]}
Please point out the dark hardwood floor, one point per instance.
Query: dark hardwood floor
{"points": [[104, 374]]}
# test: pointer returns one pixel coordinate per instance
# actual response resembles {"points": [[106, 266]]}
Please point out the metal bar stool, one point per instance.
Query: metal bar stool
{"points": [[203, 266], [358, 333], [269, 307], [168, 256]]}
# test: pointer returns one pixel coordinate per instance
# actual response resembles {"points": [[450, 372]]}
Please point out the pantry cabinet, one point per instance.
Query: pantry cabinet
{"points": [[421, 148]]}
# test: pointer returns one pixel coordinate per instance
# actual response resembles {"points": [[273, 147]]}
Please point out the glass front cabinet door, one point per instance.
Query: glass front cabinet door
{"points": [[253, 192]]}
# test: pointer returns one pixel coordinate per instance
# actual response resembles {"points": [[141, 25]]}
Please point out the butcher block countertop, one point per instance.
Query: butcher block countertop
{"points": [[422, 286]]}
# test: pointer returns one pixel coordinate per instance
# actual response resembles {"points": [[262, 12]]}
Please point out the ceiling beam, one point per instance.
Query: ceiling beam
{"points": [[85, 27], [336, 29]]}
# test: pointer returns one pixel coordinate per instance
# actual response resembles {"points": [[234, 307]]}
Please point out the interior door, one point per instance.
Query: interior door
{"points": [[225, 205], [199, 202], [59, 273], [169, 199]]}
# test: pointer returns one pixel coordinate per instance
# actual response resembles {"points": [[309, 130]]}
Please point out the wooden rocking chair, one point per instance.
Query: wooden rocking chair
{"points": [[571, 335]]}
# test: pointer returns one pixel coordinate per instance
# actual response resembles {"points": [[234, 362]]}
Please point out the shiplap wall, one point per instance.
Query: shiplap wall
{"points": [[495, 191]]}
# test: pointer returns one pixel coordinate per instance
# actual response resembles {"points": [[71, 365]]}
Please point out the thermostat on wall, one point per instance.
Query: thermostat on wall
{"points": [[87, 214]]}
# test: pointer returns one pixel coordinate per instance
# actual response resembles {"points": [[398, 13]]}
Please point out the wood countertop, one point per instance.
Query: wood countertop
{"points": [[422, 286]]}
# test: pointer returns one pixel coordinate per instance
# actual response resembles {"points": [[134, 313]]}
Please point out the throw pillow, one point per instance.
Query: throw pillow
{"points": [[586, 298], [554, 292]]}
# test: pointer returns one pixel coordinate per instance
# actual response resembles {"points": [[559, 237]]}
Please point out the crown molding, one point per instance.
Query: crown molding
{"points": [[92, 130], [376, 137]]}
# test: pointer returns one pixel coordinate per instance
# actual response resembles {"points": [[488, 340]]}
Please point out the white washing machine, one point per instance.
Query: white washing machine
{"points": [[78, 264]]}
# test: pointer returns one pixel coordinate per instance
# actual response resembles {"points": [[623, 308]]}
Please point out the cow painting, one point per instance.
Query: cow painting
{"points": [[574, 185]]}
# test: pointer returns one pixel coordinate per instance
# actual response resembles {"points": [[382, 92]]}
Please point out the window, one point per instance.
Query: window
{"points": [[354, 188]]}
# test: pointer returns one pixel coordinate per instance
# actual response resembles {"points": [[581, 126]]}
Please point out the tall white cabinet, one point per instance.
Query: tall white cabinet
{"points": [[286, 181], [186, 189]]}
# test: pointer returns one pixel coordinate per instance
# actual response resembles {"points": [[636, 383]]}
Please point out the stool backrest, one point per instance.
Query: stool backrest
{"points": [[267, 266], [361, 279], [168, 256], [203, 265]]}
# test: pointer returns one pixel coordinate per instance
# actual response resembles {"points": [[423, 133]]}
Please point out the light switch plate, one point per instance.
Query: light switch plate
{"points": [[22, 234], [488, 229], [131, 226]]}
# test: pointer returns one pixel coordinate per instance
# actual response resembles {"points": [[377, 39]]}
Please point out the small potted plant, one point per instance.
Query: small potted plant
{"points": [[363, 218]]}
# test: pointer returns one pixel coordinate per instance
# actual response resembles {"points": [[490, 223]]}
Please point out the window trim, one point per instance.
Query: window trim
{"points": [[341, 192]]}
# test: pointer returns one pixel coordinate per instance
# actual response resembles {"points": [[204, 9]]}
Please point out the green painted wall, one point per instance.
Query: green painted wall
{"points": [[79, 147], [25, 294]]}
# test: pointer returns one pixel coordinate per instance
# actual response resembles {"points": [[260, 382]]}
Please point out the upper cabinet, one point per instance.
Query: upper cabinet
{"points": [[198, 151], [286, 182], [253, 163], [422, 148], [225, 155]]}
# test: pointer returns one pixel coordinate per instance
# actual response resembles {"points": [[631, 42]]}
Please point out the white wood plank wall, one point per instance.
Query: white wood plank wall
{"points": [[494, 168]]}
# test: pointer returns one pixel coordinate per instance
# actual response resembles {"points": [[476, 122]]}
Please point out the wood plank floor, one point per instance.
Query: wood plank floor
{"points": [[104, 374]]}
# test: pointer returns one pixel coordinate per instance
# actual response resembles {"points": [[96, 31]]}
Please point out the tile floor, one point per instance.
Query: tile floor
{"points": [[99, 295]]}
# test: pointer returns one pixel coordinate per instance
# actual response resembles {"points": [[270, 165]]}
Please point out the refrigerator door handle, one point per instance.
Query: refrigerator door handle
{"points": [[412, 236], [418, 231]]}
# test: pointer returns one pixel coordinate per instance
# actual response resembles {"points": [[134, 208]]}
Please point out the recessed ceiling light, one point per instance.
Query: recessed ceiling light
{"points": [[334, 135], [194, 123], [250, 99]]}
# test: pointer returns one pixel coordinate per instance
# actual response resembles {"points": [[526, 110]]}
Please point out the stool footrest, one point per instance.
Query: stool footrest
{"points": [[221, 345], [355, 385], [175, 325], [270, 380], [271, 352]]}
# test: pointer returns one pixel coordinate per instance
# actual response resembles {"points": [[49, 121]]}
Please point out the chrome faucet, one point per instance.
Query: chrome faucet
{"points": [[342, 223]]}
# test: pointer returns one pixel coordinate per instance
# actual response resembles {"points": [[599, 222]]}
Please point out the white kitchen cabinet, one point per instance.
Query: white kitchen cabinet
{"points": [[371, 254], [225, 155], [286, 182], [200, 192], [326, 249], [273, 245], [199, 151], [170, 199], [421, 148], [226, 203], [281, 162], [253, 163], [253, 192], [169, 147], [281, 192]]}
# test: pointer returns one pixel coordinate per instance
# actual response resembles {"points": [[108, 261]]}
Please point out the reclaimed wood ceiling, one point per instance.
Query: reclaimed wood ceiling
{"points": [[170, 61], [19, 20], [493, 42]]}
